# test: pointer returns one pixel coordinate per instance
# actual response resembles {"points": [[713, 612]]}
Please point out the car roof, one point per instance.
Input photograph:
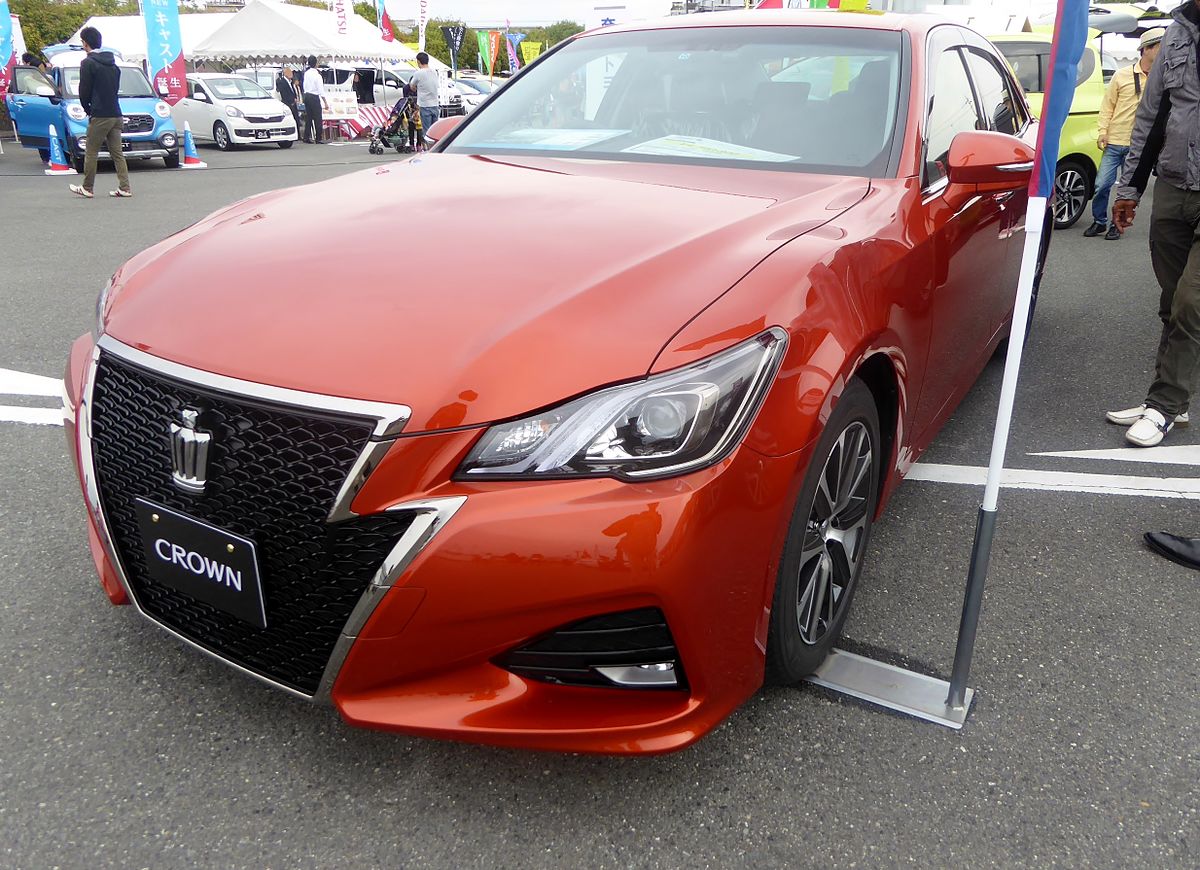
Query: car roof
{"points": [[918, 23]]}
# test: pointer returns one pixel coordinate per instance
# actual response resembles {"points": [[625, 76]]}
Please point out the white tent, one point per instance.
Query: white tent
{"points": [[127, 33], [273, 32]]}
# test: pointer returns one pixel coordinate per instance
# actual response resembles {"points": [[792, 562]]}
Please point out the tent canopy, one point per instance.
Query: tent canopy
{"points": [[273, 32], [127, 33]]}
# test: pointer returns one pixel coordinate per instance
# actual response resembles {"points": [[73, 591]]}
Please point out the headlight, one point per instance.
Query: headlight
{"points": [[76, 113], [234, 112], [662, 426], [162, 110], [101, 305]]}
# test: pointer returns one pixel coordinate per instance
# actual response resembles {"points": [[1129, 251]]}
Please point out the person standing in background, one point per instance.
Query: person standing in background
{"points": [[425, 82], [314, 101], [1117, 110], [285, 86], [99, 87]]}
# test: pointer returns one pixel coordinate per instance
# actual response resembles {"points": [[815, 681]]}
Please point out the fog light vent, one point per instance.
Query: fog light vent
{"points": [[632, 649]]}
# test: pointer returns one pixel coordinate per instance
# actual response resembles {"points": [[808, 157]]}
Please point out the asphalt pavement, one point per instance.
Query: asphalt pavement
{"points": [[121, 748]]}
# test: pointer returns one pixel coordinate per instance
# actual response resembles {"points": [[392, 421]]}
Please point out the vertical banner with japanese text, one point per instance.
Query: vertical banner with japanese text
{"points": [[453, 35], [514, 60], [495, 37], [598, 74], [164, 49], [486, 61], [8, 52], [384, 23], [530, 51], [422, 24]]}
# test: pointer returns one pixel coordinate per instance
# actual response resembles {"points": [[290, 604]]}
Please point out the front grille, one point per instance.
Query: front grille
{"points": [[571, 654], [272, 119], [137, 124], [273, 475]]}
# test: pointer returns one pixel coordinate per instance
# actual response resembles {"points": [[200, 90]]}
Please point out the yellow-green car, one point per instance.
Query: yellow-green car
{"points": [[1078, 156]]}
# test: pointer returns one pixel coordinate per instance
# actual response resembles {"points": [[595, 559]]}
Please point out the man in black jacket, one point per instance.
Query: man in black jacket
{"points": [[99, 85], [285, 86]]}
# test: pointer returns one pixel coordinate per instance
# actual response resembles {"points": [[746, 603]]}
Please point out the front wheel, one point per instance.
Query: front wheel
{"points": [[827, 540], [1072, 191], [221, 137], [284, 145]]}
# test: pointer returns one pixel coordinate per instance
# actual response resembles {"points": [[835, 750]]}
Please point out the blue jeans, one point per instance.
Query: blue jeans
{"points": [[1110, 166], [429, 116]]}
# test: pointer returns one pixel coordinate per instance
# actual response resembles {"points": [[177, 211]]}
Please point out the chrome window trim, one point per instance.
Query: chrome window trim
{"points": [[390, 419], [431, 514], [430, 517]]}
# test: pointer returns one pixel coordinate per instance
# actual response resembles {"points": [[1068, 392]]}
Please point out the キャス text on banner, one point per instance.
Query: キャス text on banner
{"points": [[164, 49]]}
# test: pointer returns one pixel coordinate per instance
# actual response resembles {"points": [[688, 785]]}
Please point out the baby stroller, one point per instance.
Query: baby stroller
{"points": [[401, 131]]}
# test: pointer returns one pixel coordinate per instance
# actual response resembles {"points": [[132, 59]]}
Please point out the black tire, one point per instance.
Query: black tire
{"points": [[1073, 185], [284, 145], [77, 162], [172, 160], [221, 137], [819, 566]]}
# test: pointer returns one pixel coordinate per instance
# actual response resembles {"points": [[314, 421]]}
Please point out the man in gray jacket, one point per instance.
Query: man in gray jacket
{"points": [[1166, 134]]}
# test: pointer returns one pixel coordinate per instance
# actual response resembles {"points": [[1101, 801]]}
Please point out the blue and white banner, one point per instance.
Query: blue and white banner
{"points": [[1070, 39], [514, 57], [8, 51], [164, 49]]}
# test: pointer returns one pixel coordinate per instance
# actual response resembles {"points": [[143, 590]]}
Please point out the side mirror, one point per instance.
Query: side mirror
{"points": [[200, 96], [44, 91], [442, 128], [990, 161]]}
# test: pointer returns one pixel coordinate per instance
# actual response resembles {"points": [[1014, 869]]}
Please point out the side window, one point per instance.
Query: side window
{"points": [[1000, 108], [951, 111], [26, 80], [191, 89]]}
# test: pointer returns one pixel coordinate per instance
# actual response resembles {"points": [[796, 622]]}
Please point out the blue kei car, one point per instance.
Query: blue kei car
{"points": [[37, 101]]}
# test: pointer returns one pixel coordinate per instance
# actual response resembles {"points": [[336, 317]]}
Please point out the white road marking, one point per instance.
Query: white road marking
{"points": [[37, 416], [1178, 454], [15, 383], [1062, 481]]}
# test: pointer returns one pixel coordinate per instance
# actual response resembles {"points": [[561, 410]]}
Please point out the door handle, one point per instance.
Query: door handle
{"points": [[19, 102]]}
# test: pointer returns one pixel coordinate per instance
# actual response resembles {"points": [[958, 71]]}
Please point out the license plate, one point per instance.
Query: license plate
{"points": [[262, 134], [202, 561], [126, 145]]}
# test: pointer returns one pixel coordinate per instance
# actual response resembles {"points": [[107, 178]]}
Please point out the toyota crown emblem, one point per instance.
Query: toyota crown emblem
{"points": [[189, 452]]}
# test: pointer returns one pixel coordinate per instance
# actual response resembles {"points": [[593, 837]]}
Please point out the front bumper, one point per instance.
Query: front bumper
{"points": [[512, 561], [244, 133]]}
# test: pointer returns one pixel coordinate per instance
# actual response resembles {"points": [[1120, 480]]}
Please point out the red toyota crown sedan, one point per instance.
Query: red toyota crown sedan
{"points": [[585, 486]]}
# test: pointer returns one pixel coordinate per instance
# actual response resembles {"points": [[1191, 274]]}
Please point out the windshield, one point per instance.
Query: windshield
{"points": [[819, 99], [133, 83], [236, 88]]}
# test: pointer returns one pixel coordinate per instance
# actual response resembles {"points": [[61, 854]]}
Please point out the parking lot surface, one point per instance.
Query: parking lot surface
{"points": [[121, 748]]}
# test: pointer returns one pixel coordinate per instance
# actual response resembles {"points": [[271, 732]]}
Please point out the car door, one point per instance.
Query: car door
{"points": [[205, 110], [968, 237], [34, 104]]}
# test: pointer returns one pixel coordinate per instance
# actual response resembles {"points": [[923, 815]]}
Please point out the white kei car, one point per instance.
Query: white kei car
{"points": [[233, 110]]}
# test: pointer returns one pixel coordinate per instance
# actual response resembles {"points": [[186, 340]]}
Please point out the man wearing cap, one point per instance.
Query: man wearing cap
{"points": [[1117, 111], [1166, 137]]}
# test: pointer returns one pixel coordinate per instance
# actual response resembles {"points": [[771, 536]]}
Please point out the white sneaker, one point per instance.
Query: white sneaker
{"points": [[1131, 415], [1149, 429]]}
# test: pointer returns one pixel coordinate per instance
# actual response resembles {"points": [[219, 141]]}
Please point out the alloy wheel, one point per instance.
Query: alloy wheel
{"points": [[1070, 189], [221, 135], [835, 533]]}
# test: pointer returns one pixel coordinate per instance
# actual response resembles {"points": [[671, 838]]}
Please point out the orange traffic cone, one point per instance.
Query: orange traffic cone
{"points": [[191, 160], [58, 163]]}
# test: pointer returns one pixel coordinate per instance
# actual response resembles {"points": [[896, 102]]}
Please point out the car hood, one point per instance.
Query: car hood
{"points": [[258, 107], [357, 287]]}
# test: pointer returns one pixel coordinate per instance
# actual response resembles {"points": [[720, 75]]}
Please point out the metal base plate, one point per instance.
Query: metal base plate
{"points": [[891, 687]]}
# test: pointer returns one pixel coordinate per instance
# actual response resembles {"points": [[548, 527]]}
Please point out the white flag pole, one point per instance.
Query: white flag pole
{"points": [[1035, 220]]}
